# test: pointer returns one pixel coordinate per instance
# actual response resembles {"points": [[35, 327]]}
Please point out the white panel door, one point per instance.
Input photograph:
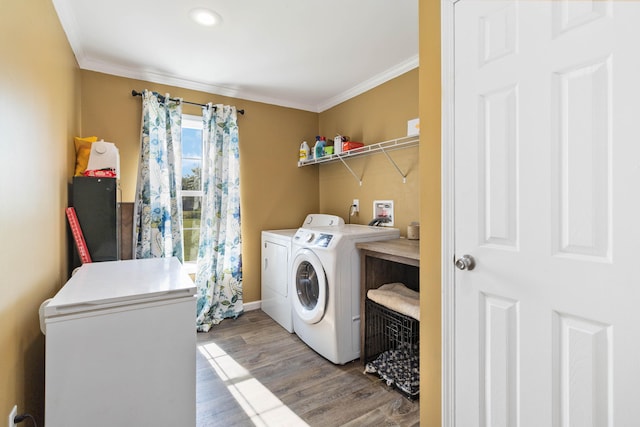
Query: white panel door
{"points": [[547, 189]]}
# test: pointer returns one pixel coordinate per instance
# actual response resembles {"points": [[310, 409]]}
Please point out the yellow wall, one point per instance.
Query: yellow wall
{"points": [[430, 193], [378, 115], [39, 87], [276, 193]]}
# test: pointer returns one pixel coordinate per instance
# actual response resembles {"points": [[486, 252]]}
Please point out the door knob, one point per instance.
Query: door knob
{"points": [[465, 263]]}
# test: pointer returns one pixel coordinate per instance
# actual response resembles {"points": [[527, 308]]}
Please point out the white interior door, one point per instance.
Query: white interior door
{"points": [[546, 146]]}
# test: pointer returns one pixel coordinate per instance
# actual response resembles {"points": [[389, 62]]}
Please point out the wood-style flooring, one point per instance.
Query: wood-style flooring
{"points": [[250, 371]]}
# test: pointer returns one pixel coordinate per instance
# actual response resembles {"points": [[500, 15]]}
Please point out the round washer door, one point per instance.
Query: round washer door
{"points": [[309, 285]]}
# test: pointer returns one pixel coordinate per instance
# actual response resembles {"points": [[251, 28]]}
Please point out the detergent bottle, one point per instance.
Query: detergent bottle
{"points": [[323, 144], [318, 148], [304, 151]]}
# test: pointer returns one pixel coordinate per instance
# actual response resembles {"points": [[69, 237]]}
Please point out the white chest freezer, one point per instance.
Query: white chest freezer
{"points": [[120, 346]]}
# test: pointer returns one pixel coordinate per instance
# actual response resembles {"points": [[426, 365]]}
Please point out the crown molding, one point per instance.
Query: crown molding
{"points": [[166, 79], [391, 73]]}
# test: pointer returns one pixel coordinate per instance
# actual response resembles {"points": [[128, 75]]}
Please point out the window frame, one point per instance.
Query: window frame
{"points": [[190, 121]]}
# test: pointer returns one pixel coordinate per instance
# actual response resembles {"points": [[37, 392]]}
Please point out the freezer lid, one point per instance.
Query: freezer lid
{"points": [[119, 283]]}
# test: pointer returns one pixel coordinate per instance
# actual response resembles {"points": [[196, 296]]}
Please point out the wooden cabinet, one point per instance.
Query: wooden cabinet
{"points": [[387, 261]]}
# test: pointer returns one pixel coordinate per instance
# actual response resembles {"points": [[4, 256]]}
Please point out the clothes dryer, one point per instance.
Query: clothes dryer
{"points": [[276, 254], [325, 287]]}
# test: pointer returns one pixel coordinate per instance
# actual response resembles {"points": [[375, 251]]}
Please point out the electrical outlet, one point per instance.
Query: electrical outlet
{"points": [[12, 416], [356, 205]]}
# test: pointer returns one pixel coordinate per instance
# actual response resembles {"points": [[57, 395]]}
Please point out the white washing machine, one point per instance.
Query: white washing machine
{"points": [[325, 287], [276, 256]]}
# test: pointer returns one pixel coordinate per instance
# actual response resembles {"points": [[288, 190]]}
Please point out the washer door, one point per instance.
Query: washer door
{"points": [[309, 287]]}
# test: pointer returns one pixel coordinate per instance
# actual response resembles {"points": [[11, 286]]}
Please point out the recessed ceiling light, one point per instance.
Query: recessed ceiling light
{"points": [[205, 17]]}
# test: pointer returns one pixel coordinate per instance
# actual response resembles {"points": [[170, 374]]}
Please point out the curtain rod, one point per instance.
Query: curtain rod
{"points": [[162, 98]]}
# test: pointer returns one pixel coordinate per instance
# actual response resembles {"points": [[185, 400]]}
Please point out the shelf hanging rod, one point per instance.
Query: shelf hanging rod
{"points": [[162, 99]]}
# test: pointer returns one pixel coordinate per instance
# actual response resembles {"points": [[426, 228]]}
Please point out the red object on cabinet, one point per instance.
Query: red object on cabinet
{"points": [[78, 236]]}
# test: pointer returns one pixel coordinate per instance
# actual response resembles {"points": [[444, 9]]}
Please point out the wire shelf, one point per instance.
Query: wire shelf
{"points": [[380, 147], [393, 144]]}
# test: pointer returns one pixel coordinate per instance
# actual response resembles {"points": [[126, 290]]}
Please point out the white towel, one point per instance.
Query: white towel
{"points": [[397, 297]]}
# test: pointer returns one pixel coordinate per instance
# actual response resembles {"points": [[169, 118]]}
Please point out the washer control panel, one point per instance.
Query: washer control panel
{"points": [[323, 240], [312, 238]]}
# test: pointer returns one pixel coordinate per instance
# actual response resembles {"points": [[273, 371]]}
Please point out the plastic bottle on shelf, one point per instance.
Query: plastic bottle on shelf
{"points": [[318, 148], [337, 144], [304, 151]]}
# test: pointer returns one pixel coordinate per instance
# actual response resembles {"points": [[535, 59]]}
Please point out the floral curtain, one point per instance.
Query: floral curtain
{"points": [[219, 267], [157, 225]]}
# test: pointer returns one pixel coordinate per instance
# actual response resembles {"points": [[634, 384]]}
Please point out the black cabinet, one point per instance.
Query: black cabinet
{"points": [[96, 201]]}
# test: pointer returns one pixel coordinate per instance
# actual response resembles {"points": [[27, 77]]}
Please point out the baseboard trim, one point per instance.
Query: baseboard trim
{"points": [[253, 305]]}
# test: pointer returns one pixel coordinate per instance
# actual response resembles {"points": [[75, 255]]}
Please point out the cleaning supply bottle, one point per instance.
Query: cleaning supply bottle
{"points": [[318, 150], [337, 144], [304, 151], [323, 144]]}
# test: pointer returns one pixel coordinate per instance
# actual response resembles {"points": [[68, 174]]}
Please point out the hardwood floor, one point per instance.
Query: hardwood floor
{"points": [[250, 371]]}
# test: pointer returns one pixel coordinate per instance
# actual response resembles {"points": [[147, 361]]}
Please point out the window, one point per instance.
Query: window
{"points": [[192, 147]]}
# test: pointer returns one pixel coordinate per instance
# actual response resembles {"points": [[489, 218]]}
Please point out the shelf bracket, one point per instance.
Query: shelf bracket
{"points": [[351, 170], [403, 175]]}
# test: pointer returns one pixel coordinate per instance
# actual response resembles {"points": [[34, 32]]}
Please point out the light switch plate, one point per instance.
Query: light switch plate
{"points": [[12, 416]]}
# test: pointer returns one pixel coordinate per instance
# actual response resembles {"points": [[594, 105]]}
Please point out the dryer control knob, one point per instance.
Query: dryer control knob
{"points": [[309, 237]]}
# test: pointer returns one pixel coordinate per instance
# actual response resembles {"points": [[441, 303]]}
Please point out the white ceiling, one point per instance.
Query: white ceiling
{"points": [[305, 54]]}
